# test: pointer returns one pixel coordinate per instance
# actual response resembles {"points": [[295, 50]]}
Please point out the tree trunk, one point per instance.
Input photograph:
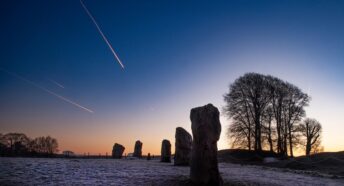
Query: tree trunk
{"points": [[270, 143], [258, 134], [270, 138], [290, 142], [279, 141], [308, 147], [249, 138], [285, 145], [255, 137]]}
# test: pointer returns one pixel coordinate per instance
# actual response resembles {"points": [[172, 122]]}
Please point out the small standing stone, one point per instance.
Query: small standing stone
{"points": [[138, 149], [165, 151], [206, 129], [183, 147], [148, 156], [117, 150]]}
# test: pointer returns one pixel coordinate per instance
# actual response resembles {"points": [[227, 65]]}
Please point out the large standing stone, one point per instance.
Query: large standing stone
{"points": [[183, 147], [138, 149], [117, 150], [165, 151], [206, 129]]}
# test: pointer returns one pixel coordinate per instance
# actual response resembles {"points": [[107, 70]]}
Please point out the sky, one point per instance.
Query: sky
{"points": [[177, 55]]}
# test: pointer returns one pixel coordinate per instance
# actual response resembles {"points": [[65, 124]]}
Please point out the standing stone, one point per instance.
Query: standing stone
{"points": [[117, 151], [138, 149], [165, 151], [148, 156], [183, 147], [206, 129]]}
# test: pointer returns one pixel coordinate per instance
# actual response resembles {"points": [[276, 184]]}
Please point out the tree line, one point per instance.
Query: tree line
{"points": [[268, 113], [18, 144]]}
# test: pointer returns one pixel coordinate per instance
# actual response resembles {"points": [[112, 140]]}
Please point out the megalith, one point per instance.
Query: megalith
{"points": [[165, 151], [206, 129], [182, 147], [138, 149], [117, 151]]}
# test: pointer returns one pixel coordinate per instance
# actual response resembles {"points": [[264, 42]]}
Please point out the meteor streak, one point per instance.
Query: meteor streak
{"points": [[102, 34], [48, 91], [56, 83]]}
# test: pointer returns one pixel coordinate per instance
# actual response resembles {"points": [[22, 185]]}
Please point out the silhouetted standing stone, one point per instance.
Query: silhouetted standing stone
{"points": [[117, 151], [165, 151], [206, 129], [183, 147], [148, 156], [138, 149]]}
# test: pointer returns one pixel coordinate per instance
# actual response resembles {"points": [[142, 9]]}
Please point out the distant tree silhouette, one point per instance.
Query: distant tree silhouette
{"points": [[311, 131], [11, 138], [264, 109], [44, 145], [18, 144]]}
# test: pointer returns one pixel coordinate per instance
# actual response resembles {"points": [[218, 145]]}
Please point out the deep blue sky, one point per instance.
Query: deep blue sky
{"points": [[177, 54]]}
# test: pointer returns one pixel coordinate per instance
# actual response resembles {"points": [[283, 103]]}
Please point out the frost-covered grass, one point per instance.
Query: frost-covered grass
{"points": [[45, 171]]}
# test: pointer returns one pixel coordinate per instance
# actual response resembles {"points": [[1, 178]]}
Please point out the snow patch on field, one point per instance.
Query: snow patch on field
{"points": [[45, 171]]}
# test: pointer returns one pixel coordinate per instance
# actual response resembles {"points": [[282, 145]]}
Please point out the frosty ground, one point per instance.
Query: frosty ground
{"points": [[59, 171]]}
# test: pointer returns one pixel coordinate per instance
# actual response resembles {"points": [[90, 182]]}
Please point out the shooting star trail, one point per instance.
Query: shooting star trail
{"points": [[102, 34], [46, 90], [56, 83]]}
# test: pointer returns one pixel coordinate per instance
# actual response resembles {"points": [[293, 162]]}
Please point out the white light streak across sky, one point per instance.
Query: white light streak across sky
{"points": [[102, 34], [56, 83], [48, 91]]}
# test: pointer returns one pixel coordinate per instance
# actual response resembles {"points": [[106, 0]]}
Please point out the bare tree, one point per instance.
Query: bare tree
{"points": [[278, 94], [311, 130], [44, 145], [268, 131], [16, 142], [51, 145], [248, 96], [241, 131], [293, 111], [265, 109], [11, 138], [240, 135], [287, 103]]}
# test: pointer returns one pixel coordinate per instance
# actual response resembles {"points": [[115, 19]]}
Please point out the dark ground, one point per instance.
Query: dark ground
{"points": [[331, 163]]}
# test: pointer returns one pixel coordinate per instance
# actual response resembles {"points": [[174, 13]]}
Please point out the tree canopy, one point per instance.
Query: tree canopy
{"points": [[18, 144], [265, 112]]}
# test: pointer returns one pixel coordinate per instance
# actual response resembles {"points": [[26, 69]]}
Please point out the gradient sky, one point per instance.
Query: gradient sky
{"points": [[177, 55]]}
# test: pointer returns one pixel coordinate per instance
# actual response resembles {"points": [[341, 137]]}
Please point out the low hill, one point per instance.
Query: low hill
{"points": [[243, 156], [327, 162], [331, 163]]}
